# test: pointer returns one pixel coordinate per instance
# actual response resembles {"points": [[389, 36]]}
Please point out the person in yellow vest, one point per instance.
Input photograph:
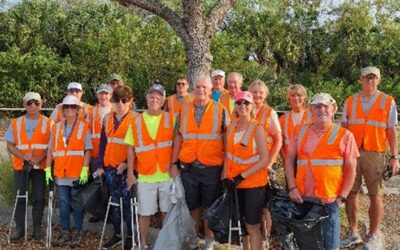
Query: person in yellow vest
{"points": [[268, 119], [299, 114], [175, 102], [150, 138], [74, 89], [218, 82], [371, 116], [71, 146], [235, 82], [198, 151], [27, 139], [112, 161], [326, 165], [246, 163], [115, 80]]}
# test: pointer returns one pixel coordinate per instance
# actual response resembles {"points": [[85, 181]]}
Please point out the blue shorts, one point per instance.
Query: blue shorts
{"points": [[331, 226]]}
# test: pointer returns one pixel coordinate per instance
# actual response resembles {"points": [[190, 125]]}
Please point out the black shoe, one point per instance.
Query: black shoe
{"points": [[75, 240], [37, 234], [62, 238], [16, 237], [128, 243], [93, 219], [114, 241]]}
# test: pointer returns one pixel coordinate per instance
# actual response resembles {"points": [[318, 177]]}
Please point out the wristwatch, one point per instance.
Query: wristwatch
{"points": [[342, 199], [395, 157]]}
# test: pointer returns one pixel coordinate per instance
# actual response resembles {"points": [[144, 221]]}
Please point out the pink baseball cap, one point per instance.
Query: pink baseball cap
{"points": [[244, 95]]}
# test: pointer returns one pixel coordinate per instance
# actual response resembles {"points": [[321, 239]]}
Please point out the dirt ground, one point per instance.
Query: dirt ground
{"points": [[390, 228]]}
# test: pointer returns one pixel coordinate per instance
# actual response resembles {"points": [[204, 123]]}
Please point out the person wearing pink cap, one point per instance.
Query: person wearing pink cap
{"points": [[245, 165]]}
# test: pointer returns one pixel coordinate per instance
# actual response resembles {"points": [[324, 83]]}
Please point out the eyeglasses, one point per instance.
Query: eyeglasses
{"points": [[30, 102], [123, 100], [240, 102], [70, 106], [74, 90], [180, 83]]}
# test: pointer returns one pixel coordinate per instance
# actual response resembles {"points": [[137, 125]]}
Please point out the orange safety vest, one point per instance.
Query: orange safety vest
{"points": [[369, 129], [95, 129], [86, 115], [174, 106], [264, 118], [326, 162], [203, 143], [241, 156], [37, 145], [288, 128], [68, 159], [152, 153], [116, 149], [225, 100]]}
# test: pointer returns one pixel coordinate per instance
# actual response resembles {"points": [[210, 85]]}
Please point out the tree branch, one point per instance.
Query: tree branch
{"points": [[217, 15], [160, 10]]}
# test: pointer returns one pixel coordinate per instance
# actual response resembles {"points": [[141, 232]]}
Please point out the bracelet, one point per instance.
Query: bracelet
{"points": [[291, 189]]}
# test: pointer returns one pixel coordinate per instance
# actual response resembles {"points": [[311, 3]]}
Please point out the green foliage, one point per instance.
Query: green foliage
{"points": [[6, 182], [46, 44]]}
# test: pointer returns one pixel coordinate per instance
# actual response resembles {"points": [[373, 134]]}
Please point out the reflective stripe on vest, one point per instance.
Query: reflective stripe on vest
{"points": [[212, 136], [354, 120], [69, 153], [241, 161], [115, 140], [33, 146], [321, 162], [79, 135], [332, 137], [286, 124], [87, 112], [141, 148], [246, 137]]}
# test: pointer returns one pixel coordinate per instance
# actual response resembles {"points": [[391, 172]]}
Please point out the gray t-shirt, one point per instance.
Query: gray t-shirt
{"points": [[30, 126]]}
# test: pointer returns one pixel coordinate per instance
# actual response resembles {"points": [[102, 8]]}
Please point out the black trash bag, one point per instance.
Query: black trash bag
{"points": [[218, 215], [303, 221], [95, 197]]}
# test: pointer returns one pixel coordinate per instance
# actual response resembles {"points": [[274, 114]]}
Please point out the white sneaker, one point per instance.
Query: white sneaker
{"points": [[350, 240], [209, 243], [374, 242]]}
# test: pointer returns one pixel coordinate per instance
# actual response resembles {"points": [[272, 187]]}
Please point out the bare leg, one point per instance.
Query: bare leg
{"points": [[352, 209], [375, 213], [144, 222], [254, 236]]}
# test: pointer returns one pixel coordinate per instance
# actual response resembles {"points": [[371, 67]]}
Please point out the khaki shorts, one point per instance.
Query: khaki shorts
{"points": [[153, 195], [371, 166]]}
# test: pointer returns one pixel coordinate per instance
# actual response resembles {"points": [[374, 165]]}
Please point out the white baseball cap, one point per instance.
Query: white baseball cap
{"points": [[370, 70], [71, 100], [74, 85], [217, 72], [323, 98], [32, 96]]}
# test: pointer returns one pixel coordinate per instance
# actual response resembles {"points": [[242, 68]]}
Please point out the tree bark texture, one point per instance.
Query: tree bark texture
{"points": [[193, 26]]}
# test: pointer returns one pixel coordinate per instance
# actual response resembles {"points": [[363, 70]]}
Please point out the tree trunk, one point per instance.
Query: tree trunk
{"points": [[193, 27]]}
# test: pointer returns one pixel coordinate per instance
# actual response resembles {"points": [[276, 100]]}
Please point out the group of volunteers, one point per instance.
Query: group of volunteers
{"points": [[206, 136]]}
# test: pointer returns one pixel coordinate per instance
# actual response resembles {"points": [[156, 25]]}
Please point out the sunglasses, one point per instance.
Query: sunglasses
{"points": [[70, 106], [30, 102], [240, 102], [74, 90], [180, 83], [123, 100]]}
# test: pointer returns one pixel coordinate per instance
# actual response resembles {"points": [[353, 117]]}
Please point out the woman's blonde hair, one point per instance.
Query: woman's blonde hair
{"points": [[298, 88], [261, 84]]}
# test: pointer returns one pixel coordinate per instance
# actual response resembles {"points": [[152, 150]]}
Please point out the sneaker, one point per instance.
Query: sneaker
{"points": [[351, 240], [146, 247], [37, 234], [209, 243], [374, 242], [62, 238], [17, 236], [115, 240], [194, 244], [267, 242], [76, 240], [128, 243]]}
